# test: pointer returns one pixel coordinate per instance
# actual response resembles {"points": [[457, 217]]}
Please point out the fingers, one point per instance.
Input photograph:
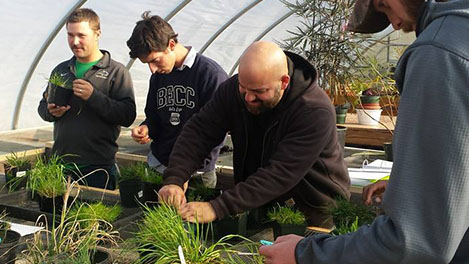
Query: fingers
{"points": [[57, 111], [140, 134], [375, 189], [82, 89], [172, 195]]}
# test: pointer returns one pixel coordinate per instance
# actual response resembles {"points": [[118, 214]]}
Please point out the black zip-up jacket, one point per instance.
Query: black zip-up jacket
{"points": [[89, 129], [301, 156]]}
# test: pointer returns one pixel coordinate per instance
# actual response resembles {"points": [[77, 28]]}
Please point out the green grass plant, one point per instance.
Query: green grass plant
{"points": [[47, 178], [152, 176], [88, 214], [68, 241], [135, 171], [198, 192], [59, 80], [345, 212], [163, 230], [286, 215], [349, 216]]}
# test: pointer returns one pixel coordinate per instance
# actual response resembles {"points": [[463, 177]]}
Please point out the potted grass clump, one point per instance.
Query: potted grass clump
{"points": [[287, 220], [69, 240], [9, 240], [163, 231], [233, 224], [348, 216], [47, 180], [89, 213], [60, 89], [16, 169], [152, 183], [130, 184]]}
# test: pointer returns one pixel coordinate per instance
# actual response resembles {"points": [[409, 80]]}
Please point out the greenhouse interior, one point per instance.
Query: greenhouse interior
{"points": [[259, 131]]}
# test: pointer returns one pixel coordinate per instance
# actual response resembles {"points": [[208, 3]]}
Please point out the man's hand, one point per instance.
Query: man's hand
{"points": [[282, 251], [140, 134], [375, 190], [202, 212], [82, 89], [173, 195], [56, 110]]}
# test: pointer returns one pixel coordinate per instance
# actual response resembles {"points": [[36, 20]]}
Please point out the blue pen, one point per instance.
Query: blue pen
{"points": [[266, 243]]}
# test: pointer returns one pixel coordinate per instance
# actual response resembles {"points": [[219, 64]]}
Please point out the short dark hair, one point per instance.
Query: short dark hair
{"points": [[152, 33], [85, 15]]}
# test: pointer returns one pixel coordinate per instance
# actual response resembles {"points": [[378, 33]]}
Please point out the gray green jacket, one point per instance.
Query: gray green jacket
{"points": [[427, 198], [89, 130]]}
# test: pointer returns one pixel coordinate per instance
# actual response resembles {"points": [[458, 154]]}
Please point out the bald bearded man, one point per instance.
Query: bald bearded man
{"points": [[284, 136]]}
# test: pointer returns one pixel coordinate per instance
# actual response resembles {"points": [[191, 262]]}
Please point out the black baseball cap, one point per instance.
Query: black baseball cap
{"points": [[365, 18]]}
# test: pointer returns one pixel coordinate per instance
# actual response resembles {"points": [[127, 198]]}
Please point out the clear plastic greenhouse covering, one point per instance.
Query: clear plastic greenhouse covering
{"points": [[33, 41]]}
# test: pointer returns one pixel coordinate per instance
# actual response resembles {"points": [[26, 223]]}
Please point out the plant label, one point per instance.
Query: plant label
{"points": [[140, 194], [20, 174]]}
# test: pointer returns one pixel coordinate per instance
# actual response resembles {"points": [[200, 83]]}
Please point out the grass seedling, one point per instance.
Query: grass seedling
{"points": [[349, 216], [198, 192], [135, 171], [163, 230], [68, 241], [88, 214], [59, 80], [47, 178], [286, 215], [152, 176]]}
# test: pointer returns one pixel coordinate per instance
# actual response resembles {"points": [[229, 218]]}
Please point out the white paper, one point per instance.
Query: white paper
{"points": [[25, 230]]}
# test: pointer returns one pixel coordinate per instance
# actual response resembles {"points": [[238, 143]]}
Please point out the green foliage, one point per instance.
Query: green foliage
{"points": [[47, 178], [323, 40], [152, 176], [68, 241], [3, 225], [198, 192], [88, 214], [163, 230], [140, 171], [286, 215], [345, 229], [349, 216], [59, 80], [14, 161]]}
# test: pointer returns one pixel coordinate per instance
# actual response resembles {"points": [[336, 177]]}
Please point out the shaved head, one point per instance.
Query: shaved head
{"points": [[263, 76], [262, 61]]}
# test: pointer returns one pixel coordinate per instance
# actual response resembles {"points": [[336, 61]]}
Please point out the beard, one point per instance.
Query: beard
{"points": [[263, 105]]}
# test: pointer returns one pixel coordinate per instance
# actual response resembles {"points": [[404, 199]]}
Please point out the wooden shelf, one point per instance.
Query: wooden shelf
{"points": [[367, 135]]}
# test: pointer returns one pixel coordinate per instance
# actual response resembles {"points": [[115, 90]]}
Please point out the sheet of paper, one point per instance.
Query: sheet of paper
{"points": [[24, 230]]}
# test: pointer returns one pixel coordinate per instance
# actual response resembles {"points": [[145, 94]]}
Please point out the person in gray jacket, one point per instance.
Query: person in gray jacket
{"points": [[426, 201], [102, 101]]}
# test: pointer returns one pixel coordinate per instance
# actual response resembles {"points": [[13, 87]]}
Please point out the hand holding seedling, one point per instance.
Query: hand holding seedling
{"points": [[282, 251], [200, 212], [56, 110], [140, 134], [375, 190], [173, 195], [82, 89]]}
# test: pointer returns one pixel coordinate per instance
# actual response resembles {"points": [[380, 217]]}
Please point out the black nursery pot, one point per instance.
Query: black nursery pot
{"points": [[48, 204], [59, 95], [100, 257], [11, 173], [231, 225], [285, 229], [150, 192], [9, 246], [131, 193]]}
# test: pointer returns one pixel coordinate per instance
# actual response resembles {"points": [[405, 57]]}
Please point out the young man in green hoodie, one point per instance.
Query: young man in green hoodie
{"points": [[426, 201]]}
